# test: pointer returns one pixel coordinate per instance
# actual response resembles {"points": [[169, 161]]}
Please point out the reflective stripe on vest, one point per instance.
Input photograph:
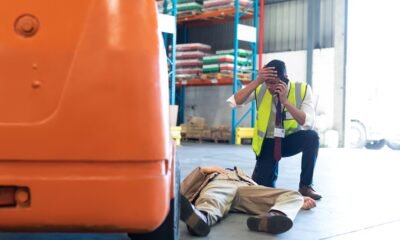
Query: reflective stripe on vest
{"points": [[261, 94], [264, 104]]}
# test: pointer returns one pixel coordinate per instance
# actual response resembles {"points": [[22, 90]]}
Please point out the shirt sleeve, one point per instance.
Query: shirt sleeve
{"points": [[192, 182], [308, 107], [232, 102]]}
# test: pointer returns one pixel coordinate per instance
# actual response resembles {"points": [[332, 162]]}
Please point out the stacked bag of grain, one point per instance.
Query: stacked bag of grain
{"points": [[212, 5], [223, 61], [184, 7], [221, 133], [189, 59], [197, 128]]}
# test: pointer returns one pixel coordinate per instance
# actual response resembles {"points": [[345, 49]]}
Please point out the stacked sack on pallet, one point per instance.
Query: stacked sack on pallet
{"points": [[212, 5], [189, 59], [196, 128], [189, 7], [223, 61], [184, 7], [221, 133]]}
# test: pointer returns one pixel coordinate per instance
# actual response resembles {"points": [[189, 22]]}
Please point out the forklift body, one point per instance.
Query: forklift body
{"points": [[84, 133]]}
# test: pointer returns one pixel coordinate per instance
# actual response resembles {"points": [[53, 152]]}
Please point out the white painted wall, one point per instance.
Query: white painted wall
{"points": [[372, 81], [296, 64]]}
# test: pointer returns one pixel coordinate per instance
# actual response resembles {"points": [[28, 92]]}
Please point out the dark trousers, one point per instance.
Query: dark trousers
{"points": [[304, 141]]}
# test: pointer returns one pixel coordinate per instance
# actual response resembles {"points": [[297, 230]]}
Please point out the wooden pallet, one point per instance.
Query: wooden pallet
{"points": [[188, 78], [241, 76]]}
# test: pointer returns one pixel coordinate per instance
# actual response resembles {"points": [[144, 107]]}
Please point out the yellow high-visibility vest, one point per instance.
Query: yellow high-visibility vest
{"points": [[263, 97]]}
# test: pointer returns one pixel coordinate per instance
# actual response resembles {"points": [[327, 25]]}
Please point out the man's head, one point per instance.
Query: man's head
{"points": [[280, 68]]}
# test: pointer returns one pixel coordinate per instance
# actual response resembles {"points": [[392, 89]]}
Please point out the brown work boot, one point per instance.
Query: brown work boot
{"points": [[308, 191], [195, 220], [273, 222]]}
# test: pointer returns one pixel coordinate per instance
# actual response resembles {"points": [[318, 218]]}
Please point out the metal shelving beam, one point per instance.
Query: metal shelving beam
{"points": [[234, 88], [210, 82], [213, 17], [234, 14], [173, 56], [253, 45], [167, 42]]}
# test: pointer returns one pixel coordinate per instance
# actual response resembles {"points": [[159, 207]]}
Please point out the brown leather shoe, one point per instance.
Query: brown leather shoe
{"points": [[273, 222], [195, 220], [308, 191]]}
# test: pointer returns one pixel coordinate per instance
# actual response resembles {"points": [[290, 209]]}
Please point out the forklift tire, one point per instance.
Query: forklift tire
{"points": [[376, 144], [394, 145], [358, 135]]}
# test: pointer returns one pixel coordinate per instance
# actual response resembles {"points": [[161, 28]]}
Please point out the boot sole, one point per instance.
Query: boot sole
{"points": [[192, 220], [274, 224]]}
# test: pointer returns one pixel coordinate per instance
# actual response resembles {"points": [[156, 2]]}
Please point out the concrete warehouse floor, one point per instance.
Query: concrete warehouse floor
{"points": [[359, 188]]}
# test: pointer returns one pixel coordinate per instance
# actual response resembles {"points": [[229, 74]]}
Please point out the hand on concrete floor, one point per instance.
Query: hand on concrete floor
{"points": [[308, 203]]}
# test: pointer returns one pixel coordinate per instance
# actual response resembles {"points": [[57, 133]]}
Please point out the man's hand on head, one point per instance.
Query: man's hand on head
{"points": [[266, 74]]}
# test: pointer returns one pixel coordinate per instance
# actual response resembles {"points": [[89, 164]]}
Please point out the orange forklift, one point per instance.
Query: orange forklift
{"points": [[84, 126]]}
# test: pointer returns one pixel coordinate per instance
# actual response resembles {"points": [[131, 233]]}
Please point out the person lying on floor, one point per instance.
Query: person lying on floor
{"points": [[208, 194]]}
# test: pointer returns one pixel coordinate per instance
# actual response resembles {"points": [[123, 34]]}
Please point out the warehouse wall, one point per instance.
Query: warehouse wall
{"points": [[210, 102], [285, 28]]}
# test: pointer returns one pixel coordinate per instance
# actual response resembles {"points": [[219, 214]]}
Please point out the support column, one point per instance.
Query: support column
{"points": [[340, 118], [313, 32]]}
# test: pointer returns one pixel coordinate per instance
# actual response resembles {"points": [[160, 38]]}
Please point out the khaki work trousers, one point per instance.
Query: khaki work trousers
{"points": [[220, 197]]}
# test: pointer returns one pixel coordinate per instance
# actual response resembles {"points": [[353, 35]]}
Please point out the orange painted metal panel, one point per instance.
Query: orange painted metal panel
{"points": [[84, 115], [103, 82], [72, 196]]}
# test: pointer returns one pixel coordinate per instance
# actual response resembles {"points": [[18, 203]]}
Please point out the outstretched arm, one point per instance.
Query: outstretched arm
{"points": [[308, 203]]}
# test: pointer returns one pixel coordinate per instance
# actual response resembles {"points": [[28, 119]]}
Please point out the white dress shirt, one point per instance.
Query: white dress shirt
{"points": [[307, 106]]}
